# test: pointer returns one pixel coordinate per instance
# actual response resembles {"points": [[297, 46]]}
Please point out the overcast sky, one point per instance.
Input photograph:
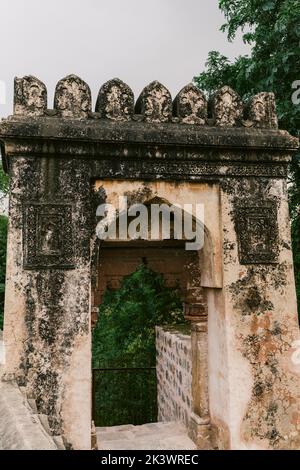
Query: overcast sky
{"points": [[135, 40]]}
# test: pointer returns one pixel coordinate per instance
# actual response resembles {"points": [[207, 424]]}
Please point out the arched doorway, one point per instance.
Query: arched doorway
{"points": [[181, 267]]}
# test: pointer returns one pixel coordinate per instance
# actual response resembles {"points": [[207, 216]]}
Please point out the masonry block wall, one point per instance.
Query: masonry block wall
{"points": [[174, 374], [169, 259]]}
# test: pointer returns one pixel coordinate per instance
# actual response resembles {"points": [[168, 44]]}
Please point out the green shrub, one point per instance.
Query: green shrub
{"points": [[124, 337]]}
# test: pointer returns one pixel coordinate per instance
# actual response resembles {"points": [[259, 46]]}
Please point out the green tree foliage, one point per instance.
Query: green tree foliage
{"points": [[3, 183], [3, 235], [272, 28], [124, 335]]}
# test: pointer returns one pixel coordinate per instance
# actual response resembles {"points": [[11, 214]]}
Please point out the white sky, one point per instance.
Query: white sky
{"points": [[135, 40]]}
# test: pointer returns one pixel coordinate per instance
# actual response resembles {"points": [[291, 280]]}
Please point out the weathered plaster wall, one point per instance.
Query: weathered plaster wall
{"points": [[174, 374], [20, 427], [182, 193], [261, 326], [218, 369]]}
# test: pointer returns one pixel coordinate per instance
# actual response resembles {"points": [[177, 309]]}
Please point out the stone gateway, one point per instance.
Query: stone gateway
{"points": [[240, 293]]}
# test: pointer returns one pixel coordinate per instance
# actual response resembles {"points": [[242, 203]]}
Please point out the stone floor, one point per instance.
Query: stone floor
{"points": [[152, 436]]}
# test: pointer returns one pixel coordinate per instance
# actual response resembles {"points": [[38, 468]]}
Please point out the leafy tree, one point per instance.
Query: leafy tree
{"points": [[272, 28], [124, 337], [3, 183]]}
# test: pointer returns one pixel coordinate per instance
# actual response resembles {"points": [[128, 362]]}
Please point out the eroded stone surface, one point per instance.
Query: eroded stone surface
{"points": [[253, 389], [30, 98], [20, 429], [115, 101], [190, 105], [264, 323], [152, 436], [261, 111], [155, 103], [226, 108], [72, 97]]}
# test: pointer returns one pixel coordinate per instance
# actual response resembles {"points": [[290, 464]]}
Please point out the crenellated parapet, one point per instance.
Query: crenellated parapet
{"points": [[115, 102]]}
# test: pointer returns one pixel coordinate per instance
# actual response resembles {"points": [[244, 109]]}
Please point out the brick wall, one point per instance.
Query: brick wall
{"points": [[178, 267], [174, 374]]}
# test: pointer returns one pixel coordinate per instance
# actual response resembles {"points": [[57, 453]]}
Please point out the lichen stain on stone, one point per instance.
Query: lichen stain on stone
{"points": [[263, 340], [51, 335], [229, 248], [142, 195], [263, 418], [249, 293], [270, 400]]}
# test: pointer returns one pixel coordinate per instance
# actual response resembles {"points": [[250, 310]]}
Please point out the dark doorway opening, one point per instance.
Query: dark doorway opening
{"points": [[138, 285], [124, 396]]}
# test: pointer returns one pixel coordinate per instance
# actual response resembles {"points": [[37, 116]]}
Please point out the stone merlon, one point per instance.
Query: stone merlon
{"points": [[223, 122]]}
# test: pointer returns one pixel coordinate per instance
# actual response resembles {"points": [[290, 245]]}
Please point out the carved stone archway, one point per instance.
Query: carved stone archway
{"points": [[227, 154], [198, 273]]}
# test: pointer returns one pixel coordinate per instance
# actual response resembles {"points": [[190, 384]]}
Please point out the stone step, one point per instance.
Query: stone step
{"points": [[112, 436], [122, 427], [150, 436]]}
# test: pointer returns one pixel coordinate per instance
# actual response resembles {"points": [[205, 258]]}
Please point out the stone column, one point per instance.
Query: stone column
{"points": [[259, 317], [199, 428], [47, 312]]}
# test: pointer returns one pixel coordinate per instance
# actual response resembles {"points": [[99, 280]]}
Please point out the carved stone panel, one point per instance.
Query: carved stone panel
{"points": [[48, 237], [257, 232]]}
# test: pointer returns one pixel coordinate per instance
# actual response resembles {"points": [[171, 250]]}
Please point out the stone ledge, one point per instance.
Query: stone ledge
{"points": [[55, 128], [19, 428]]}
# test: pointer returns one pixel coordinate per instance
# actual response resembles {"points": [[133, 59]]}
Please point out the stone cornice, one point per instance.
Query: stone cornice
{"points": [[104, 131]]}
